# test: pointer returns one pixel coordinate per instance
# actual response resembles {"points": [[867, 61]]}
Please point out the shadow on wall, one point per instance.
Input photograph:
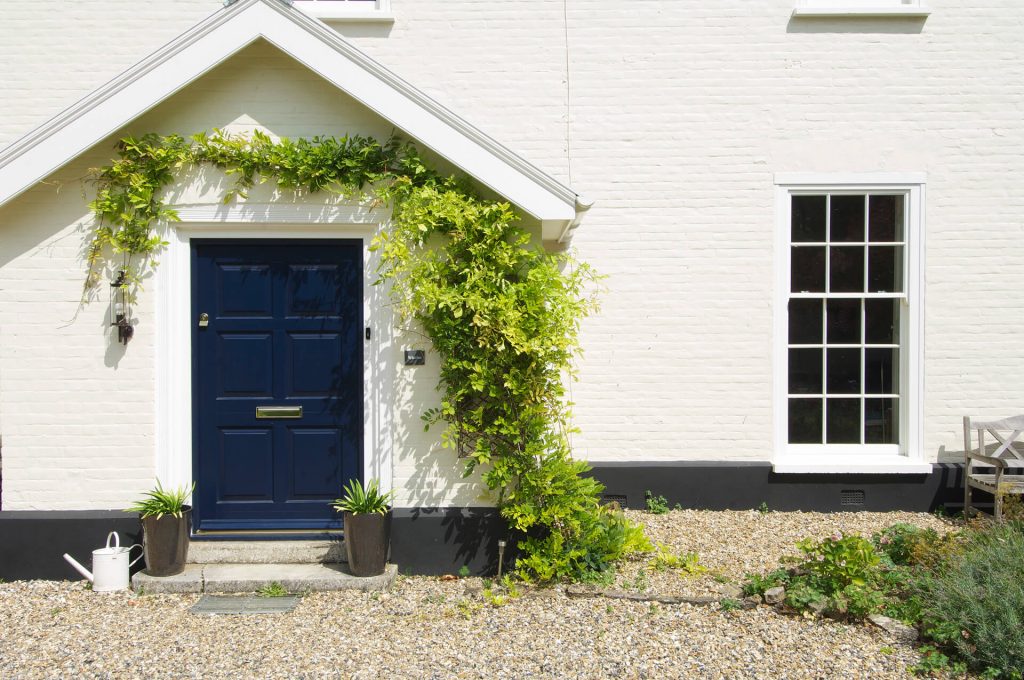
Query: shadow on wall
{"points": [[804, 24]]}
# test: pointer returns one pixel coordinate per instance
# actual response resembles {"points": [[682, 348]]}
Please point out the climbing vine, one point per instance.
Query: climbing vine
{"points": [[503, 314]]}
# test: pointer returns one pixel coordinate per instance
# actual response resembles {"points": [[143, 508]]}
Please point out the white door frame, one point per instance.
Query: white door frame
{"points": [[173, 283]]}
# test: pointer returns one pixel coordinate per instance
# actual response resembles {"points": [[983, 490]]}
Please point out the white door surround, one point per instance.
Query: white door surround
{"points": [[173, 283]]}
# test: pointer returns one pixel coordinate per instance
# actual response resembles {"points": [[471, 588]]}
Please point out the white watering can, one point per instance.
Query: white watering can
{"points": [[110, 565]]}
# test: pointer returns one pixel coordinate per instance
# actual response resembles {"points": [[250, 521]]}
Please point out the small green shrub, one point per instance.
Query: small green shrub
{"points": [[598, 538], [840, 561], [464, 571], [656, 505], [935, 662], [898, 541], [975, 605], [763, 508], [840, 574]]}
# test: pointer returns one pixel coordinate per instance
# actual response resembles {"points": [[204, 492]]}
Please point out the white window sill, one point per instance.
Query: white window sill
{"points": [[898, 11], [341, 12], [869, 465]]}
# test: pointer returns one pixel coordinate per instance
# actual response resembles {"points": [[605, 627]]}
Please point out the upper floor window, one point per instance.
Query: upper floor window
{"points": [[347, 10], [912, 8]]}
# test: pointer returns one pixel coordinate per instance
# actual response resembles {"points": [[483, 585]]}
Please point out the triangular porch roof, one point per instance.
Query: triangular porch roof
{"points": [[320, 49]]}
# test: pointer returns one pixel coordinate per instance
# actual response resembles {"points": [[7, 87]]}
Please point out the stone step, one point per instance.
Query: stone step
{"points": [[266, 552], [250, 578]]}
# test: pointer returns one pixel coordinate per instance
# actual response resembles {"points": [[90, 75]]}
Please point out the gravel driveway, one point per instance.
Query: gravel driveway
{"points": [[432, 628]]}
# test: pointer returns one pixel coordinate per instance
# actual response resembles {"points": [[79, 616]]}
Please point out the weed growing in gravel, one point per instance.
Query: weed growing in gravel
{"points": [[501, 594], [272, 589], [464, 571], [756, 584], [656, 505], [640, 582], [466, 609], [763, 508], [729, 604], [687, 563], [886, 650], [435, 598]]}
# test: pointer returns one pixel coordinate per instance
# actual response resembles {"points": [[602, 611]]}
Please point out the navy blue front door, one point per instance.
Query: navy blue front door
{"points": [[277, 381]]}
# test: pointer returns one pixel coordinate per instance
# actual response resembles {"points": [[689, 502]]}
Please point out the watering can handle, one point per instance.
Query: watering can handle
{"points": [[117, 540], [139, 546]]}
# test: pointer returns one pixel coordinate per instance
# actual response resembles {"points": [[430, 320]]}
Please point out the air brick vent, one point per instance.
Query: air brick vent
{"points": [[851, 497], [618, 499]]}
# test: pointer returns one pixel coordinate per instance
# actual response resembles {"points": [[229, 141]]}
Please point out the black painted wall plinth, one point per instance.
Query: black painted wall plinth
{"points": [[32, 543], [743, 486], [432, 541]]}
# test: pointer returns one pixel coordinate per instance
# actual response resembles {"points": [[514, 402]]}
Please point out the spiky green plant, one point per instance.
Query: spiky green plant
{"points": [[360, 501], [159, 501]]}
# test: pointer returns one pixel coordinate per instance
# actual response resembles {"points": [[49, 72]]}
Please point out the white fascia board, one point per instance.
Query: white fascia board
{"points": [[320, 49]]}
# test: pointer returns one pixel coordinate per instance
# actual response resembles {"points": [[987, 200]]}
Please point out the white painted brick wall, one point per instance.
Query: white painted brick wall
{"points": [[677, 115]]}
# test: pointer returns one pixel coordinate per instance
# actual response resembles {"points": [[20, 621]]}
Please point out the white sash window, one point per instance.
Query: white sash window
{"points": [[848, 323]]}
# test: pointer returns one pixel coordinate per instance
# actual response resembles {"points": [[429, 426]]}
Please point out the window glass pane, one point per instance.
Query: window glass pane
{"points": [[805, 371], [882, 321], [881, 421], [847, 215], [808, 219], [881, 371], [808, 269], [885, 269], [843, 371], [844, 322], [805, 322], [843, 426], [846, 273], [885, 218], [805, 421]]}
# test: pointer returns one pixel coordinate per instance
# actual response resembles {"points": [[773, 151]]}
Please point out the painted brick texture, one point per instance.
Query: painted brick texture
{"points": [[672, 116]]}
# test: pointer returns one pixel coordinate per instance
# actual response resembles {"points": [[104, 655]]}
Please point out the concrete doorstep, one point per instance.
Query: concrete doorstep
{"points": [[250, 578]]}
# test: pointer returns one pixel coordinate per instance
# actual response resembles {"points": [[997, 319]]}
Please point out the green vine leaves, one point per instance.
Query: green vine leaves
{"points": [[503, 314]]}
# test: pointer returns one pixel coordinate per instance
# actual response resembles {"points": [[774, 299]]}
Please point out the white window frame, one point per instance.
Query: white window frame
{"points": [[348, 10], [907, 456], [861, 8]]}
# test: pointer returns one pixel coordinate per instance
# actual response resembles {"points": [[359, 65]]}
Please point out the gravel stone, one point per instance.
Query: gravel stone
{"points": [[898, 630], [776, 595], [425, 627]]}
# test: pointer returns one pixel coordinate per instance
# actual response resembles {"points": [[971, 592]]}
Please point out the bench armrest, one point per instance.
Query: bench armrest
{"points": [[994, 462]]}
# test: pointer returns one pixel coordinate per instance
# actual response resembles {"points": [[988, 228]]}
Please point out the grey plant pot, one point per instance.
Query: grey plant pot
{"points": [[165, 543], [367, 542]]}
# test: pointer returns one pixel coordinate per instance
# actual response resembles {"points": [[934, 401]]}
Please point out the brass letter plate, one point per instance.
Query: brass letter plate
{"points": [[263, 412]]}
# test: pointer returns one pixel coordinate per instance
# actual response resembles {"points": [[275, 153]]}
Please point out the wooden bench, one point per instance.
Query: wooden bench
{"points": [[1005, 434]]}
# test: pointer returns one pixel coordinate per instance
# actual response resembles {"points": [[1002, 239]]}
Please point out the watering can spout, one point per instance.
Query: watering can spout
{"points": [[81, 570]]}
